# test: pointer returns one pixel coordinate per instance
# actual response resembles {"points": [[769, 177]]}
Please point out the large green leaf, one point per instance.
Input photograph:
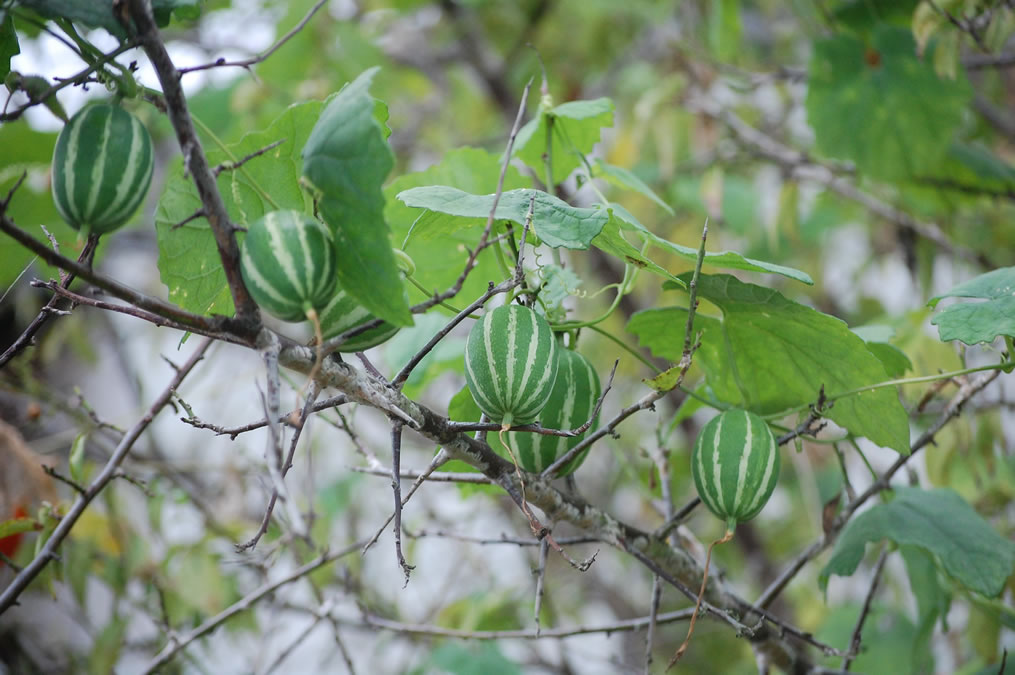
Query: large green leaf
{"points": [[8, 44], [346, 160], [975, 322], [189, 263], [939, 522], [574, 129], [932, 601], [554, 221], [99, 13], [768, 354], [611, 240], [880, 106], [441, 258], [722, 259]]}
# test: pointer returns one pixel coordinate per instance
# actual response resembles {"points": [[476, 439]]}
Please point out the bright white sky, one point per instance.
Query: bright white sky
{"points": [[230, 33]]}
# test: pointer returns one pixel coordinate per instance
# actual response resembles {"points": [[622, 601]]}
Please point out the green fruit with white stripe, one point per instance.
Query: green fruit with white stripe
{"points": [[574, 397], [102, 167], [343, 314], [288, 264], [735, 465], [511, 364]]}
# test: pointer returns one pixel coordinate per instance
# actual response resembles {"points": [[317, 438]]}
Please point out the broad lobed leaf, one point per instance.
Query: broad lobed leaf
{"points": [[940, 523], [554, 221], [977, 322], [768, 353], [346, 161]]}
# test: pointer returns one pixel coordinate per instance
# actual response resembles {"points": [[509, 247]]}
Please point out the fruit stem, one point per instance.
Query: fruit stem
{"points": [[730, 526]]}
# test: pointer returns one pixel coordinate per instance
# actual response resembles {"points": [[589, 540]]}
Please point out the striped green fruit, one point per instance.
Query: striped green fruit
{"points": [[735, 465], [571, 402], [288, 264], [343, 313], [511, 364], [102, 167]]}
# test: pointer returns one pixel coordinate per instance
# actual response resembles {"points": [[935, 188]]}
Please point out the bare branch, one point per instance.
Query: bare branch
{"points": [[194, 160], [246, 63]]}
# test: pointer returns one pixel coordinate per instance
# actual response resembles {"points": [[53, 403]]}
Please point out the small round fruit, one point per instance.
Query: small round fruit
{"points": [[288, 264], [511, 364], [735, 465], [342, 314], [102, 167], [574, 396]]}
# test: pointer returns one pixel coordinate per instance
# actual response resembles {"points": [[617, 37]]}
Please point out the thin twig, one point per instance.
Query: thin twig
{"points": [[25, 339], [180, 641], [544, 549], [396, 488], [291, 418], [854, 643], [194, 160], [266, 520], [404, 373], [246, 63]]}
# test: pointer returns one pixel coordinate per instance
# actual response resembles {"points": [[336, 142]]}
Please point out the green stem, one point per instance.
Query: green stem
{"points": [[423, 289], [894, 383], [626, 348]]}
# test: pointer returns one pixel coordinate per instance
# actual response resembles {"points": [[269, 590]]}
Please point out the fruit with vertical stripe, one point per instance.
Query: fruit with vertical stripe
{"points": [[735, 465], [102, 167], [288, 264], [511, 364], [574, 397], [342, 314]]}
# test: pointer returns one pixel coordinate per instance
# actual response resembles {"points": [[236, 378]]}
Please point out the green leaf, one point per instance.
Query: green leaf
{"points": [[189, 263], [575, 127], [722, 259], [555, 222], [558, 284], [440, 259], [889, 640], [8, 43], [106, 650], [880, 106], [462, 407], [345, 161], [482, 659], [28, 151], [939, 522], [447, 354], [99, 13], [724, 29], [768, 354], [625, 178], [14, 526], [932, 601], [877, 337], [611, 241], [975, 322]]}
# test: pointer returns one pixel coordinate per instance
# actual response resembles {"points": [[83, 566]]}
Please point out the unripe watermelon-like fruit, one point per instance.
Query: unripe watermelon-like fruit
{"points": [[735, 465], [511, 364], [102, 167], [342, 314], [574, 397], [288, 264]]}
